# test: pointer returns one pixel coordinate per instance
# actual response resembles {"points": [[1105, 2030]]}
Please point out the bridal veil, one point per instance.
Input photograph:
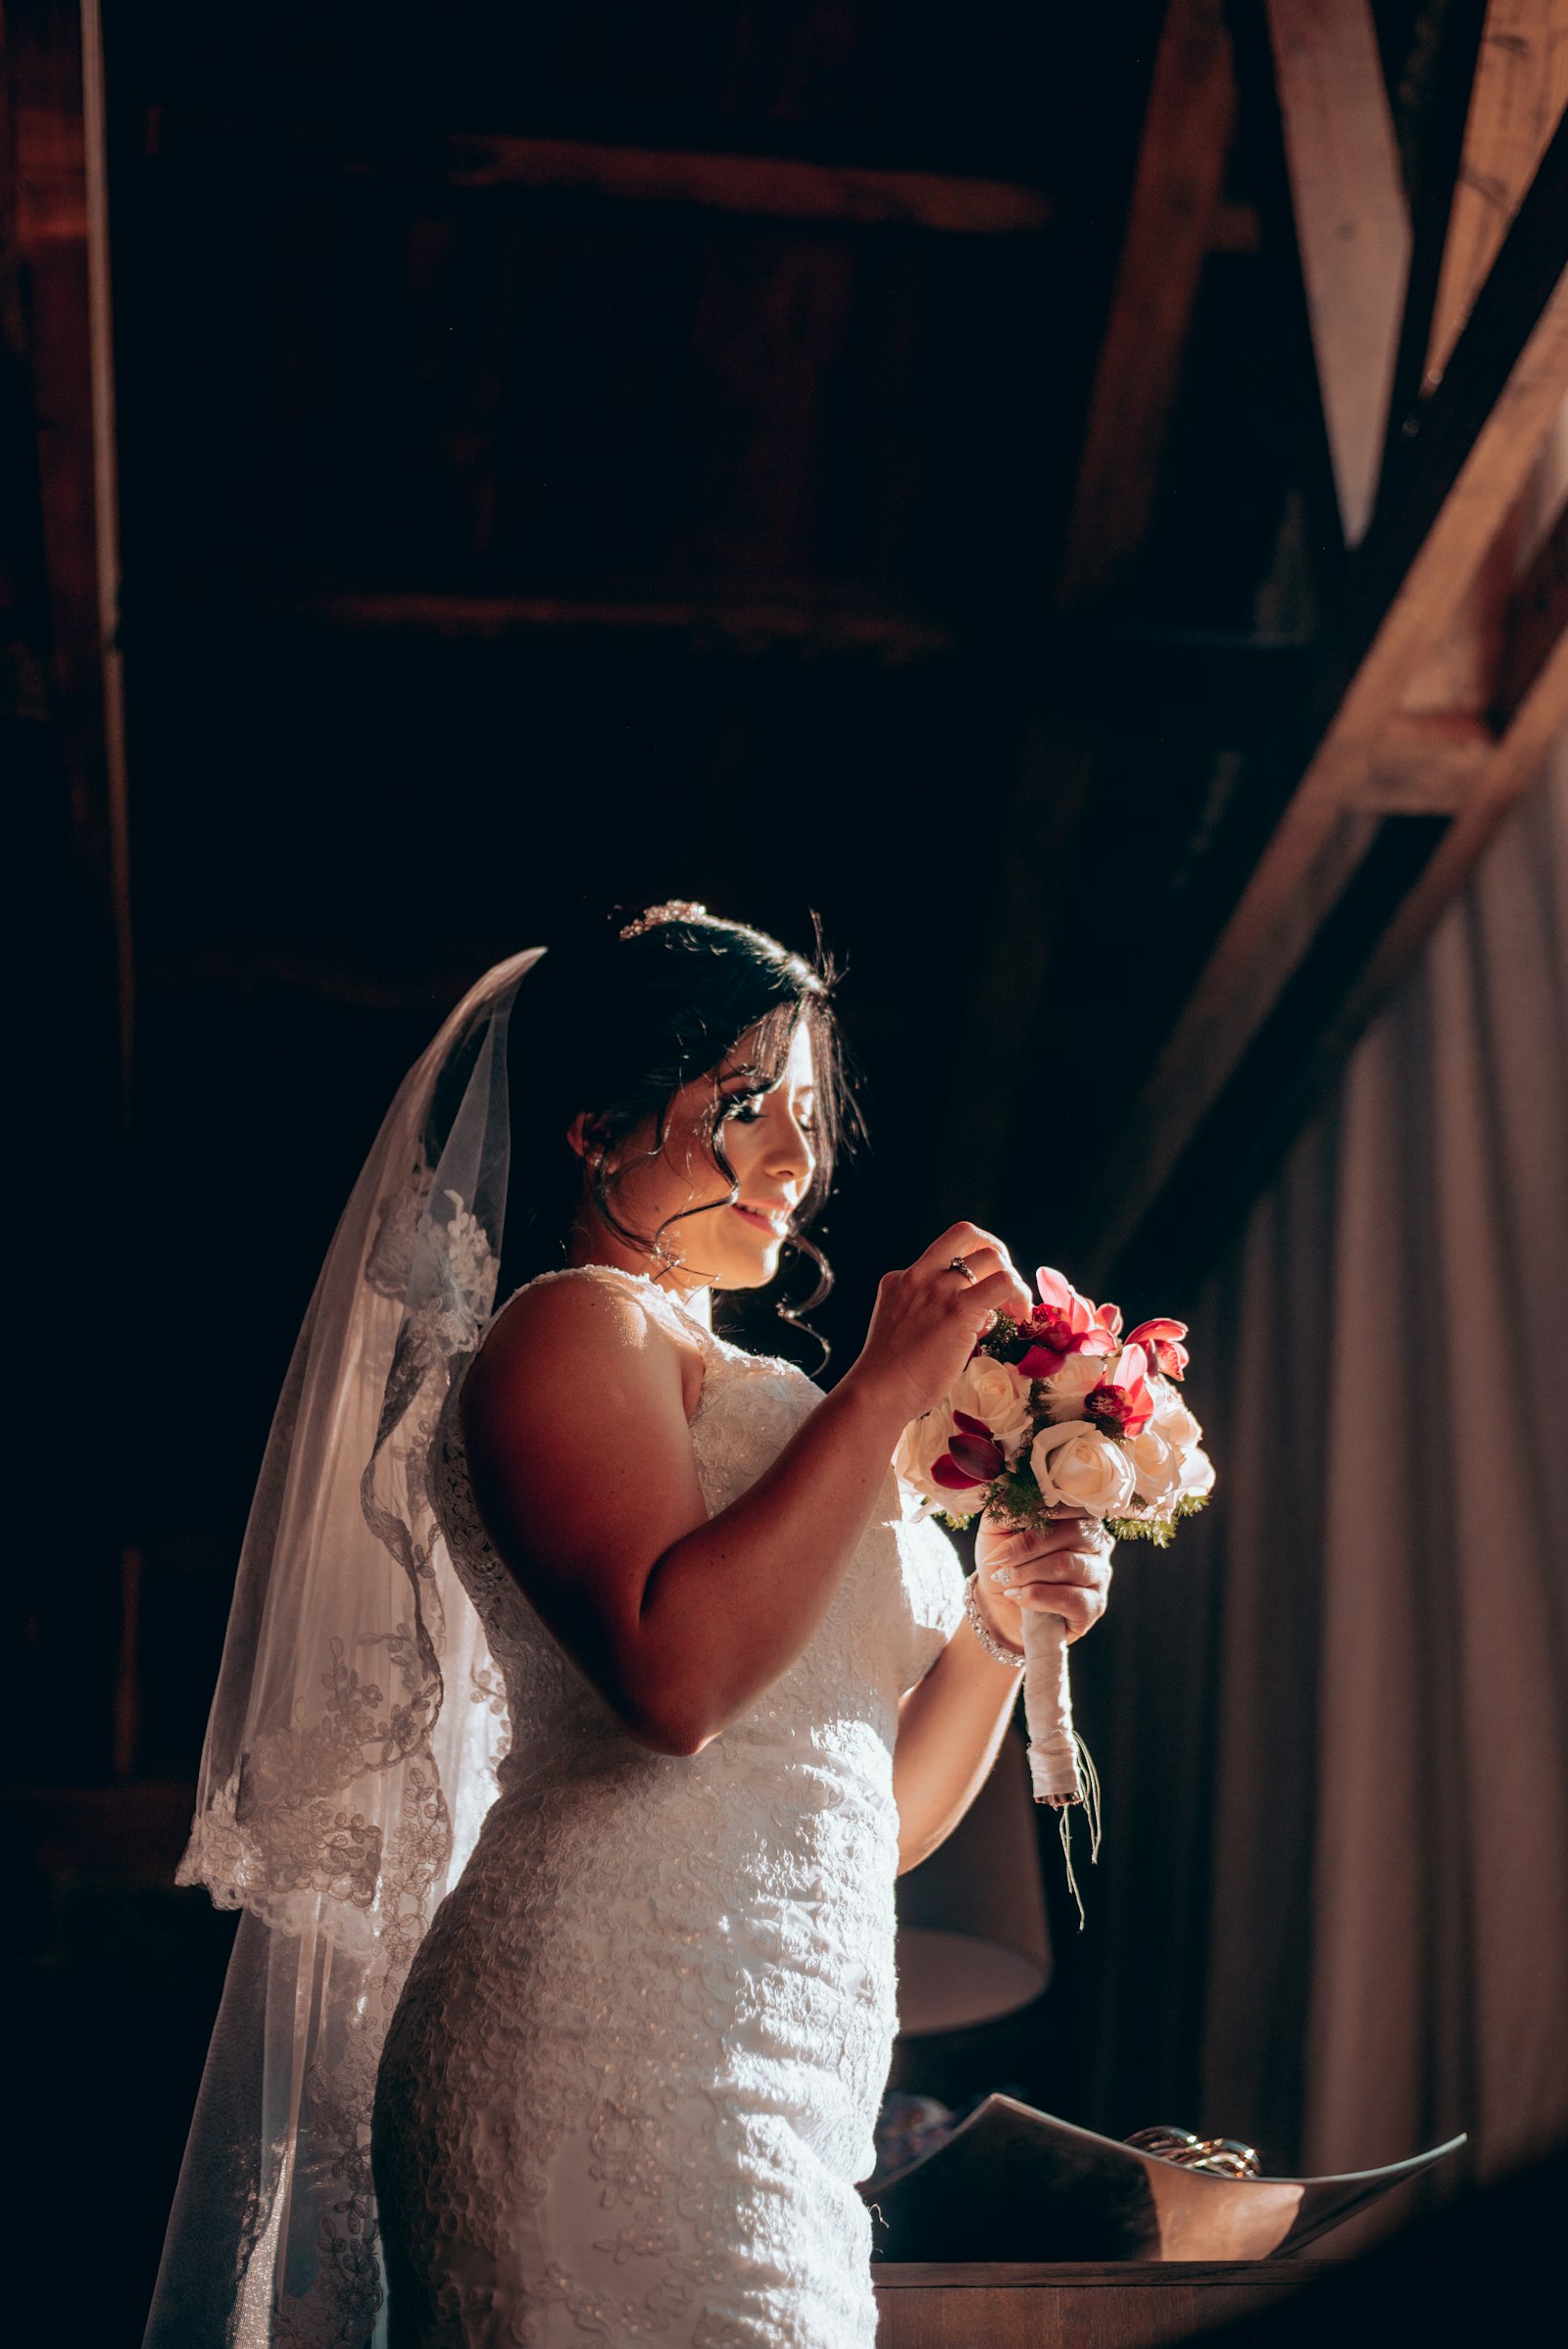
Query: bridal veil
{"points": [[354, 1737]]}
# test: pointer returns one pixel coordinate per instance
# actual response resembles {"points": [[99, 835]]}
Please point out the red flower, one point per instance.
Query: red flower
{"points": [[973, 1456], [1122, 1405], [1164, 1340]]}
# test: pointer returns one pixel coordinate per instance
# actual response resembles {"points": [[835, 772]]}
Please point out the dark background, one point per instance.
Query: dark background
{"points": [[492, 546]]}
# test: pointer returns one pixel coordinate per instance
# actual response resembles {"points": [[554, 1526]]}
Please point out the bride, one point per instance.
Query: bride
{"points": [[673, 1689]]}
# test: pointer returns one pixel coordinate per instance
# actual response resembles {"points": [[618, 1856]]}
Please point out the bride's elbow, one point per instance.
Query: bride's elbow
{"points": [[666, 1702], [664, 1724], [664, 1682], [676, 1740]]}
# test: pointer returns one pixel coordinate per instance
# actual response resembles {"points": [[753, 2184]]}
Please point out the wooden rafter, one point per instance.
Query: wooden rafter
{"points": [[1537, 727], [1450, 47], [1518, 82], [1423, 762], [816, 623], [1174, 221], [1520, 90], [765, 186], [1538, 619], [54, 61], [1449, 493], [1353, 228]]}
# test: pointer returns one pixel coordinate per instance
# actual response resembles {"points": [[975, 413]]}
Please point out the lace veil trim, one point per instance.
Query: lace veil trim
{"points": [[354, 1738]]}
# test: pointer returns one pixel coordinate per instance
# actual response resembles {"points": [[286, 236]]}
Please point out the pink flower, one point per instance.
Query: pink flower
{"points": [[1164, 1340], [1059, 1295], [1064, 1323], [1123, 1405]]}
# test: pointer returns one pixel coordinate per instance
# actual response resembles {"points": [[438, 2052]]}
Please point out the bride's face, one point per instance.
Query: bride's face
{"points": [[720, 1242]]}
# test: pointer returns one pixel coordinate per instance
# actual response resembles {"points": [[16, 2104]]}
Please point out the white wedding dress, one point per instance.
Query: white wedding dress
{"points": [[631, 2081]]}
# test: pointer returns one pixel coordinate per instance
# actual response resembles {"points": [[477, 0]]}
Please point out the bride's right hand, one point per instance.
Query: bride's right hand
{"points": [[927, 1318]]}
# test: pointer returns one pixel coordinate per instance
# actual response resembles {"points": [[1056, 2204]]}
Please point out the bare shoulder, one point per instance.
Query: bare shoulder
{"points": [[562, 1340]]}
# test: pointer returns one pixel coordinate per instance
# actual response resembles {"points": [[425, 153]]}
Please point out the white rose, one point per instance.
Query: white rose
{"points": [[1157, 1467], [921, 1445], [1172, 1417], [1076, 1467], [1197, 1472], [993, 1391], [1064, 1393]]}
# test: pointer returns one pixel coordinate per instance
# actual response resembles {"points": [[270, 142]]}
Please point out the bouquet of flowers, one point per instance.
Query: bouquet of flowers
{"points": [[1061, 1415]]}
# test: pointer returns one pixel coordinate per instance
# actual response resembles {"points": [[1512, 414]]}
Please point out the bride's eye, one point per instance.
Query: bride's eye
{"points": [[744, 1108]]}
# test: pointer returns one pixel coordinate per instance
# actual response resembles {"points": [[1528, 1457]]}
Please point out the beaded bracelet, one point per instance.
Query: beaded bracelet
{"points": [[983, 1632]]}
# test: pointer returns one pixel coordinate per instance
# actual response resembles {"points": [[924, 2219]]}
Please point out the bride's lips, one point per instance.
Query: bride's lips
{"points": [[774, 1221]]}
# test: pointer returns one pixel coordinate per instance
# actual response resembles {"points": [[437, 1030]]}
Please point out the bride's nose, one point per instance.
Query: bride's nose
{"points": [[791, 1152]]}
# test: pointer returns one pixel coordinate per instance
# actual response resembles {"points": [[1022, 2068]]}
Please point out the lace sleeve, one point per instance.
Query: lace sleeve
{"points": [[933, 1588], [662, 1308]]}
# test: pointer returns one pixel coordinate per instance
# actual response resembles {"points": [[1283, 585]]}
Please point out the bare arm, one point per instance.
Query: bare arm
{"points": [[951, 1726], [575, 1425]]}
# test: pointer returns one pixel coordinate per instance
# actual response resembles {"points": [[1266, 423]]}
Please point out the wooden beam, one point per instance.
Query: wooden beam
{"points": [[1521, 86], [65, 810], [1540, 727], [1174, 220], [765, 186], [55, 59], [1448, 494], [1376, 932], [1425, 762], [1497, 140], [1459, 666], [1446, 45], [805, 623], [1538, 619], [1353, 228]]}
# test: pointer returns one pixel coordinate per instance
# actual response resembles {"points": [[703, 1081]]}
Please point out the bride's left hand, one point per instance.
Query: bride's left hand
{"points": [[1053, 1568]]}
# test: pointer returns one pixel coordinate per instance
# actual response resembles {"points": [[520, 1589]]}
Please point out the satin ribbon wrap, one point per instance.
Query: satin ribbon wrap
{"points": [[1061, 1773], [1053, 1773]]}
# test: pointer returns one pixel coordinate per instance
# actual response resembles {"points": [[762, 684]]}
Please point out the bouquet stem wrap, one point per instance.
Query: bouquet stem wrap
{"points": [[1053, 1772], [1060, 1771]]}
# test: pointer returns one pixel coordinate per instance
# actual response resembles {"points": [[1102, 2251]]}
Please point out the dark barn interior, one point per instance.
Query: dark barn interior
{"points": [[1069, 500]]}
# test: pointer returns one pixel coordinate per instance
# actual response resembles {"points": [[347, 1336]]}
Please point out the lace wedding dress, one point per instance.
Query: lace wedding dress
{"points": [[632, 2077]]}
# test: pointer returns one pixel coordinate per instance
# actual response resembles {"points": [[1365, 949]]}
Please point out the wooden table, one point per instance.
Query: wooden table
{"points": [[1125, 2306]]}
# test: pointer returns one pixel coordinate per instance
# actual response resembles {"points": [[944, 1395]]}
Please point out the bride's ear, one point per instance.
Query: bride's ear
{"points": [[586, 1136]]}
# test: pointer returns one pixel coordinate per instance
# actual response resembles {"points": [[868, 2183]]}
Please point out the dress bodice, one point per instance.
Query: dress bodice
{"points": [[890, 1617]]}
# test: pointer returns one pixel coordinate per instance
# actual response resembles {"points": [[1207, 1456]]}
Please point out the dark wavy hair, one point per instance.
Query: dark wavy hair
{"points": [[610, 1024]]}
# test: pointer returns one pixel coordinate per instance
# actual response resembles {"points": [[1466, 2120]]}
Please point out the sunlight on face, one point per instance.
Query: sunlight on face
{"points": [[724, 1240]]}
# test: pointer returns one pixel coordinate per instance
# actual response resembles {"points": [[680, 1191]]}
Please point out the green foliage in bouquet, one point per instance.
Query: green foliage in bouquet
{"points": [[1161, 1531], [1007, 1340], [1015, 1499]]}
